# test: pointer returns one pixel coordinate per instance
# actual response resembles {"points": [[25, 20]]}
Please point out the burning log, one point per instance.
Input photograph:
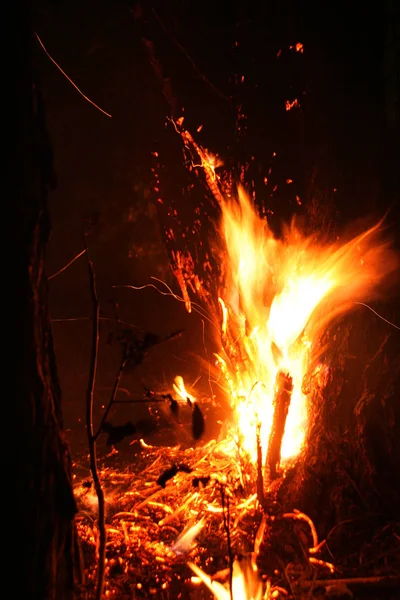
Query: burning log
{"points": [[283, 394]]}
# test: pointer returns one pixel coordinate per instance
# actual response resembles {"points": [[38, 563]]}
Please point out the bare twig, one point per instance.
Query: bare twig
{"points": [[113, 396], [226, 517], [89, 428], [124, 361]]}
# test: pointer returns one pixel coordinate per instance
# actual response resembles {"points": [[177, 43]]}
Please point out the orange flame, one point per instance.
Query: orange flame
{"points": [[246, 582], [279, 295]]}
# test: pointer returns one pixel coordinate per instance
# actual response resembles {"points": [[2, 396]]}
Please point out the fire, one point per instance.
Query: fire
{"points": [[246, 582], [277, 299], [180, 389]]}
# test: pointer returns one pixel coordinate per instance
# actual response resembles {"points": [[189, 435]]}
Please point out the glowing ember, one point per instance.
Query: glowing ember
{"points": [[289, 104]]}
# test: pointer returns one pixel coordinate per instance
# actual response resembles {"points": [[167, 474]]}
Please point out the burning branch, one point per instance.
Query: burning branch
{"points": [[283, 394], [260, 479]]}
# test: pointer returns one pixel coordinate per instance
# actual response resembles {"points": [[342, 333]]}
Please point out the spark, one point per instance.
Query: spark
{"points": [[69, 79], [294, 104], [378, 315], [170, 292], [67, 265]]}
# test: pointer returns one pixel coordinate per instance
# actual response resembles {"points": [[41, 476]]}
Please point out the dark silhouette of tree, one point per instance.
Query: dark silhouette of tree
{"points": [[45, 500]]}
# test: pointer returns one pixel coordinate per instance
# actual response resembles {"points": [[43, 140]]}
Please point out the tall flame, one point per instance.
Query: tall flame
{"points": [[278, 297]]}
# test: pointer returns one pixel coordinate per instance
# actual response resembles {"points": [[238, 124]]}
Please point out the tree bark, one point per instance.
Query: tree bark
{"points": [[45, 564]]}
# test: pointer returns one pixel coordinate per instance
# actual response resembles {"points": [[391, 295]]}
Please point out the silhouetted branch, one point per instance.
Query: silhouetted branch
{"points": [[89, 428], [121, 368]]}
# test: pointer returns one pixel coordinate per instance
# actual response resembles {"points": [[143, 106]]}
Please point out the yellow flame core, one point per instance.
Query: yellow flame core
{"points": [[278, 296]]}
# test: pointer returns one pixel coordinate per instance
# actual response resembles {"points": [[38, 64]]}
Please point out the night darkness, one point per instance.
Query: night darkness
{"points": [[230, 69]]}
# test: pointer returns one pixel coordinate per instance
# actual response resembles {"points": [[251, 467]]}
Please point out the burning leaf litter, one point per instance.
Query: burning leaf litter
{"points": [[157, 524]]}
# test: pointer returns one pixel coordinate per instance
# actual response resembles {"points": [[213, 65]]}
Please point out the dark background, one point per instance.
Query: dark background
{"points": [[339, 147]]}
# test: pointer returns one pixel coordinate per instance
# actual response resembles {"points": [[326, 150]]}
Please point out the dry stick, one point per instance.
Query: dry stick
{"points": [[112, 400], [226, 518], [284, 388], [121, 369], [89, 428]]}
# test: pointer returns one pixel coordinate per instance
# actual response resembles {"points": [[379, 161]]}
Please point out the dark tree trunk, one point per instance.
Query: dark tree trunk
{"points": [[46, 505]]}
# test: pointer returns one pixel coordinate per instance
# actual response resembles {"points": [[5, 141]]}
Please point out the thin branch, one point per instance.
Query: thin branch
{"points": [[113, 396], [121, 368], [89, 428], [71, 262], [69, 79], [69, 319], [226, 517], [374, 580]]}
